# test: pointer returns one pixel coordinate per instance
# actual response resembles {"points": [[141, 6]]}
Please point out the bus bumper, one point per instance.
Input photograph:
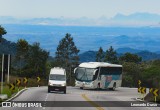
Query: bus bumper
{"points": [[84, 85]]}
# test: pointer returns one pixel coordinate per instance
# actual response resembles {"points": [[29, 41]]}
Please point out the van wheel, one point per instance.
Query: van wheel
{"points": [[48, 90]]}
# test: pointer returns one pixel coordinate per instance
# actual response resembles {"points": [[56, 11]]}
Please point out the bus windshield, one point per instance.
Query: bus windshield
{"points": [[85, 74]]}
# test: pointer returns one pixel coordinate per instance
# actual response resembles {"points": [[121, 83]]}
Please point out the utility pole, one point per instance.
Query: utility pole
{"points": [[9, 58], [2, 74], [70, 74]]}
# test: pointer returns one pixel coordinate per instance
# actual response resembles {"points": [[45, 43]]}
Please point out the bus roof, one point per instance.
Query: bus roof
{"points": [[98, 64]]}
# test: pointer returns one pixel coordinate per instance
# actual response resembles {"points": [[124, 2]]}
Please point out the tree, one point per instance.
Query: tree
{"points": [[67, 52], [36, 60], [100, 55], [151, 74], [22, 49], [2, 32], [128, 57], [32, 59], [67, 56], [111, 56], [131, 74]]}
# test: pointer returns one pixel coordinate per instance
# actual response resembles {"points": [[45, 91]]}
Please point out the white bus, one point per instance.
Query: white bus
{"points": [[98, 75]]}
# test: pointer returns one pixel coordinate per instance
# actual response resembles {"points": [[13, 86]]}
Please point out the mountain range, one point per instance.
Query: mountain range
{"points": [[87, 38], [90, 56], [7, 47], [135, 19]]}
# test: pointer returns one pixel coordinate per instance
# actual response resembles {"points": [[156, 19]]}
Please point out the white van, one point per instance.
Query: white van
{"points": [[57, 80]]}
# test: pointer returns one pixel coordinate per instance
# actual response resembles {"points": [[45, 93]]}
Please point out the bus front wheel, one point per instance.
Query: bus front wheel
{"points": [[81, 87], [114, 87], [98, 86]]}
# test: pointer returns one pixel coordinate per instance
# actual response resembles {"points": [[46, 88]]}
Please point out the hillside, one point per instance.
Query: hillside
{"points": [[146, 55], [88, 56], [86, 38], [130, 50], [7, 47]]}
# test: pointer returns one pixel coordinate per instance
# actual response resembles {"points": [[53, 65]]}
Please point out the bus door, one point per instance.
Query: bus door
{"points": [[106, 79]]}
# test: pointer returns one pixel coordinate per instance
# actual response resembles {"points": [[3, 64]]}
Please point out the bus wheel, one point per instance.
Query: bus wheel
{"points": [[81, 87], [114, 87], [98, 86]]}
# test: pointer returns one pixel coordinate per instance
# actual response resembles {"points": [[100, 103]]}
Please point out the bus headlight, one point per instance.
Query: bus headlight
{"points": [[91, 83], [77, 82]]}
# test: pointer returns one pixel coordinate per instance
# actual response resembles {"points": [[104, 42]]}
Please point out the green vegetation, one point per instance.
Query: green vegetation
{"points": [[2, 32], [9, 92], [67, 56], [111, 56], [131, 74], [100, 55], [67, 52], [32, 82], [27, 60], [30, 60], [128, 57]]}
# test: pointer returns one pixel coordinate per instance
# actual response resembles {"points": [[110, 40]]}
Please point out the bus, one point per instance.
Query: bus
{"points": [[98, 75]]}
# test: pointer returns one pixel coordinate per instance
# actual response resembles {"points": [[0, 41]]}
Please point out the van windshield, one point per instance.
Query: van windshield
{"points": [[57, 77]]}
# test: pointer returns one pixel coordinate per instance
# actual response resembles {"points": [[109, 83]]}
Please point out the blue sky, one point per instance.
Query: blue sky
{"points": [[76, 8]]}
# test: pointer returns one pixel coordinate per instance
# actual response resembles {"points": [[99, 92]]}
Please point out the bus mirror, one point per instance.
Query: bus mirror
{"points": [[75, 70], [95, 71]]}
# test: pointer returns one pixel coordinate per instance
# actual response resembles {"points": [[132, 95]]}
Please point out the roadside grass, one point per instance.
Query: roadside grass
{"points": [[32, 82], [9, 92]]}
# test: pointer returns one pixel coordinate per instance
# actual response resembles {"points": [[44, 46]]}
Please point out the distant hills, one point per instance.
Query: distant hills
{"points": [[146, 55], [88, 56], [87, 38], [158, 52], [143, 41], [135, 19], [130, 50], [7, 47]]}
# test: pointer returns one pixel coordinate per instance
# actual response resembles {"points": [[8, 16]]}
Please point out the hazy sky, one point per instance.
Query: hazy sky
{"points": [[76, 8]]}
